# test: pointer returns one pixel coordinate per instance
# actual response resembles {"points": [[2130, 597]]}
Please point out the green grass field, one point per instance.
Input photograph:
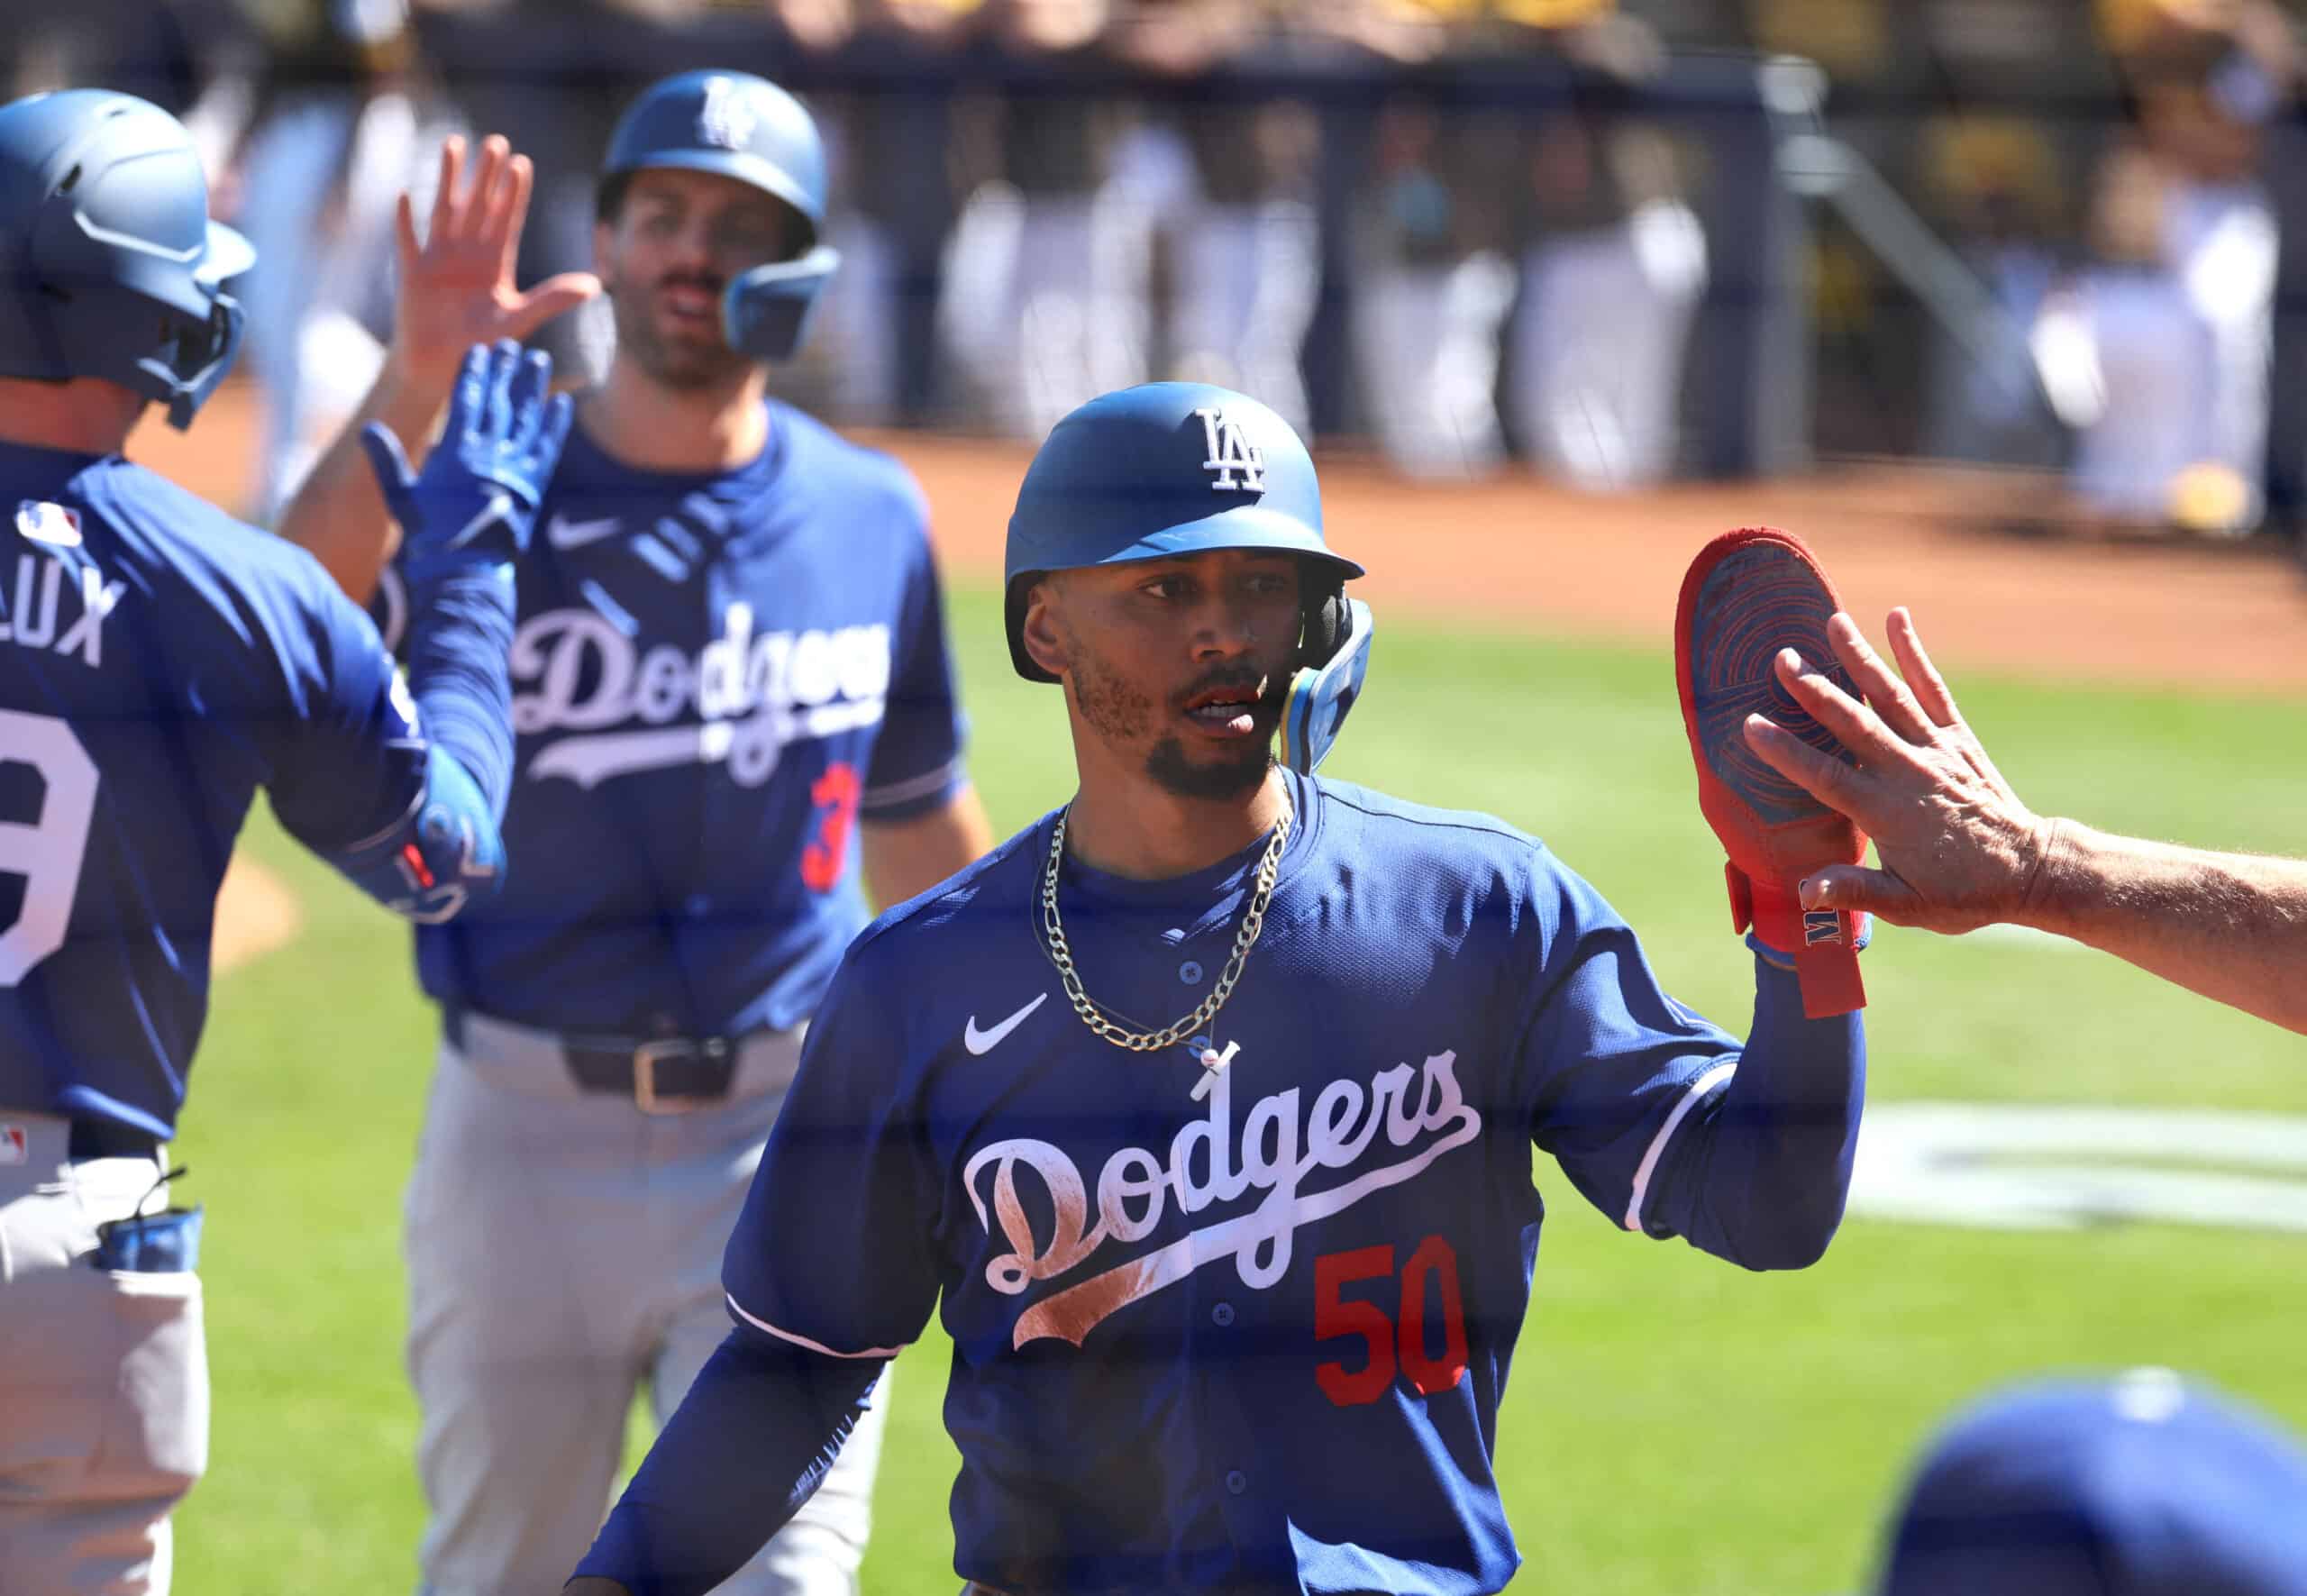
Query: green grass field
{"points": [[1675, 1427]]}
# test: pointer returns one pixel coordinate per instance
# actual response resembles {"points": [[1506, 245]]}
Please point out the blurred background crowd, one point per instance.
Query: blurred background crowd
{"points": [[1612, 242]]}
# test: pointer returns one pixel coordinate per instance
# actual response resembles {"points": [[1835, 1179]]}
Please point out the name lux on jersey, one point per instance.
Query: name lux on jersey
{"points": [[754, 693], [29, 613]]}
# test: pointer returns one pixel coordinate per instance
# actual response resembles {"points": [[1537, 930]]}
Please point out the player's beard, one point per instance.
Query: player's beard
{"points": [[676, 363], [1235, 777], [1122, 715]]}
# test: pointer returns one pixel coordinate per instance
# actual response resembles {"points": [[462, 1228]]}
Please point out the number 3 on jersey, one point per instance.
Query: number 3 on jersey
{"points": [[834, 794], [46, 851], [1403, 1340]]}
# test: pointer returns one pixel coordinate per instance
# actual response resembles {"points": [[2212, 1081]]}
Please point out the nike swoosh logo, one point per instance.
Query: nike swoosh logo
{"points": [[499, 507], [984, 1042], [564, 533]]}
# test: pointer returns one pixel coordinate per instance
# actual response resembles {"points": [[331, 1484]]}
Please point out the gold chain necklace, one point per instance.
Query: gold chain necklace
{"points": [[1252, 920]]}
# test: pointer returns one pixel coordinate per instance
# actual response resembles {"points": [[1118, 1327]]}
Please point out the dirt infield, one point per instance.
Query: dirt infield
{"points": [[1515, 551], [255, 914]]}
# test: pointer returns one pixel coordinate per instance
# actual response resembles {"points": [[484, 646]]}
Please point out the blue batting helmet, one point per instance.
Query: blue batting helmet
{"points": [[2147, 1485], [1167, 468], [736, 125], [109, 265]]}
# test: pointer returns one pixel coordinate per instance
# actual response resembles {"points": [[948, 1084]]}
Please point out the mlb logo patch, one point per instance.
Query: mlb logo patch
{"points": [[1820, 926], [52, 524], [12, 1144]]}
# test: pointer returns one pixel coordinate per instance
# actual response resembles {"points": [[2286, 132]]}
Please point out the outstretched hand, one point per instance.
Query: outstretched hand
{"points": [[456, 285], [476, 501], [1958, 849]]}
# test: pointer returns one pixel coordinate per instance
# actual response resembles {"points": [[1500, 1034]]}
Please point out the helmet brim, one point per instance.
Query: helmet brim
{"points": [[1242, 526]]}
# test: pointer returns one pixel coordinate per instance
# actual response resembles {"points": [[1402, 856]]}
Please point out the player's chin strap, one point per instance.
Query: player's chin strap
{"points": [[765, 311], [1320, 696]]}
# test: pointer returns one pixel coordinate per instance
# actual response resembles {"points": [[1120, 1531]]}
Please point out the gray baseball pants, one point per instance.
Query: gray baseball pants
{"points": [[563, 1247], [103, 1377]]}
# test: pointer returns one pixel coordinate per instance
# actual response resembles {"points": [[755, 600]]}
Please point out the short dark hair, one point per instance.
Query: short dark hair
{"points": [[608, 195]]}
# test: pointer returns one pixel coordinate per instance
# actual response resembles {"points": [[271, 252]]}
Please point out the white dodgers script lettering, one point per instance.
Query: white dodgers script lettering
{"points": [[1277, 1146], [742, 698]]}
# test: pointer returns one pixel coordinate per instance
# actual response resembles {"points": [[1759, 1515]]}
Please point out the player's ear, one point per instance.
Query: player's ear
{"points": [[604, 242], [1044, 632]]}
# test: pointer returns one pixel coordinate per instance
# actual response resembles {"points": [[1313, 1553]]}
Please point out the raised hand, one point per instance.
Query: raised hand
{"points": [[476, 501], [456, 285], [1958, 849]]}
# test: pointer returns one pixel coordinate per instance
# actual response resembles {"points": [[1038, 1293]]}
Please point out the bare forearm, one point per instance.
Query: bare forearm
{"points": [[339, 514], [2232, 926], [906, 858]]}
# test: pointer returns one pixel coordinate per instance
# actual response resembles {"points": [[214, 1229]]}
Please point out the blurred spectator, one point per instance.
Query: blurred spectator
{"points": [[1611, 283], [1228, 188], [871, 357], [198, 59], [2127, 354], [1431, 279], [1576, 225], [1044, 297], [351, 119], [1994, 184], [2160, 355]]}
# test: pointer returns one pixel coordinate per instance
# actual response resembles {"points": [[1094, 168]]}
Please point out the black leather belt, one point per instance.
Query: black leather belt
{"points": [[661, 1075], [657, 1074], [108, 1138]]}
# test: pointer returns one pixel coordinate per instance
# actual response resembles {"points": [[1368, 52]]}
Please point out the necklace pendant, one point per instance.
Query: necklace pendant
{"points": [[1213, 1061]]}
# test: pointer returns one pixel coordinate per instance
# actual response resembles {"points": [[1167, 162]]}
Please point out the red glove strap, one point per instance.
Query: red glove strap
{"points": [[1822, 944]]}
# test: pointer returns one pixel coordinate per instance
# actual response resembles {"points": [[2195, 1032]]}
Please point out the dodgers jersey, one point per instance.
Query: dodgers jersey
{"points": [[159, 662], [1249, 1329], [714, 677]]}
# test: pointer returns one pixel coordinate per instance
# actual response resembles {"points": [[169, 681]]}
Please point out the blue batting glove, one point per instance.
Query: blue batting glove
{"points": [[476, 501]]}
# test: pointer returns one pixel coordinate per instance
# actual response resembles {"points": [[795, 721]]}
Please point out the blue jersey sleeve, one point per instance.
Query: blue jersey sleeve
{"points": [[749, 1444], [834, 1250], [1607, 1059], [1759, 1170], [1663, 1120], [394, 787], [346, 758], [916, 763]]}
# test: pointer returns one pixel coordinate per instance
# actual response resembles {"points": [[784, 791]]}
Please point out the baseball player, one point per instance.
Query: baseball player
{"points": [[160, 662], [2143, 1485], [1960, 849], [731, 688], [1203, 1109]]}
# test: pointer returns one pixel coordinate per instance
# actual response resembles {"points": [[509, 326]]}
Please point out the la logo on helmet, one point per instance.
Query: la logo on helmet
{"points": [[724, 119], [1231, 451]]}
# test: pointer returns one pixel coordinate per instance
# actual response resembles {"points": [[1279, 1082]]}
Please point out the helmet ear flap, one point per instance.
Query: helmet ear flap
{"points": [[1322, 606]]}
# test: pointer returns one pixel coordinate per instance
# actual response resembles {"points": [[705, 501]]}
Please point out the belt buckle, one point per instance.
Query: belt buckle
{"points": [[645, 1074], [644, 1071]]}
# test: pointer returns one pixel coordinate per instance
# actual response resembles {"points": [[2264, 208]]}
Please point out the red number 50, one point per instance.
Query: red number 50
{"points": [[1393, 1343]]}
